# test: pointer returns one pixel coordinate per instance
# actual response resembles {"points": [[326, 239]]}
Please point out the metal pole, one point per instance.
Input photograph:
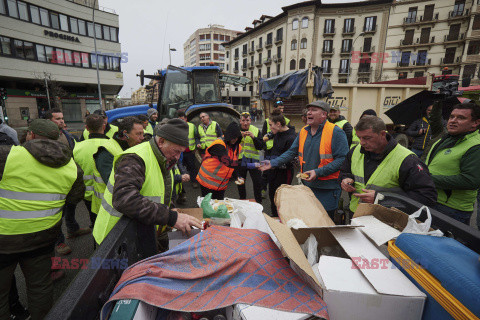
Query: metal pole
{"points": [[350, 60], [46, 87], [169, 55], [96, 56]]}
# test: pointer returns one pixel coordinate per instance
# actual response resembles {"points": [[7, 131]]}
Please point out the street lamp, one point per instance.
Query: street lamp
{"points": [[350, 61], [96, 55], [169, 53]]}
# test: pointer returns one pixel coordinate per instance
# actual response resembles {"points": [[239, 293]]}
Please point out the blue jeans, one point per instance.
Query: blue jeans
{"points": [[459, 215], [418, 152], [328, 198]]}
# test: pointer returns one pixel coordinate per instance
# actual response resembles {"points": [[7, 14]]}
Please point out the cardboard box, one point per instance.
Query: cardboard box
{"points": [[194, 212], [380, 291], [247, 312], [130, 309]]}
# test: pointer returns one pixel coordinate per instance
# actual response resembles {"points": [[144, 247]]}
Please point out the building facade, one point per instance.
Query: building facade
{"points": [[361, 42], [140, 96], [48, 58], [205, 46]]}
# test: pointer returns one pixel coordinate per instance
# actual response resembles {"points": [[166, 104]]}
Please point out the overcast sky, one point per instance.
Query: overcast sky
{"points": [[147, 27]]}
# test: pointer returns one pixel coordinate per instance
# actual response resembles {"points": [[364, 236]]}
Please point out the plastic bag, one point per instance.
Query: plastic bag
{"points": [[310, 249], [209, 212], [423, 227]]}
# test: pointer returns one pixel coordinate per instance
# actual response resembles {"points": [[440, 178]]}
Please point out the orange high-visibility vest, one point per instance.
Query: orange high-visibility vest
{"points": [[325, 150], [213, 174]]}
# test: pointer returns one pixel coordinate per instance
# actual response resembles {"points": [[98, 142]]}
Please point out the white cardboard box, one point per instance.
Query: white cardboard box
{"points": [[381, 291], [248, 312]]}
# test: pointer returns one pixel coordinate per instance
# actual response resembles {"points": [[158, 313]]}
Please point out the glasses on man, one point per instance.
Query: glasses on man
{"points": [[247, 114]]}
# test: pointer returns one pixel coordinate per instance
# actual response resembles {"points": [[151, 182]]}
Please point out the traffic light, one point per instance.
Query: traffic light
{"points": [[3, 93]]}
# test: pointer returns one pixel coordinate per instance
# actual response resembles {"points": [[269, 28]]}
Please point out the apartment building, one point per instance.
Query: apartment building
{"points": [[52, 41], [140, 96], [205, 46], [361, 42]]}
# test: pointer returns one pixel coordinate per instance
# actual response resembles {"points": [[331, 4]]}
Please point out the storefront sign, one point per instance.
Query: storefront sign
{"points": [[61, 36]]}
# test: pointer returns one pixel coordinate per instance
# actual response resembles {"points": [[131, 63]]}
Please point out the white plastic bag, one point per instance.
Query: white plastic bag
{"points": [[310, 249], [421, 228]]}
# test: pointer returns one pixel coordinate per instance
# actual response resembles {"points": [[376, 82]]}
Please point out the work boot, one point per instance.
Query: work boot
{"points": [[56, 275], [78, 233], [19, 312], [62, 249]]}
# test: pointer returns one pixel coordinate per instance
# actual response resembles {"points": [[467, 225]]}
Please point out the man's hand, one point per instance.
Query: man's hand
{"points": [[367, 197], [248, 133], [421, 131], [265, 138], [199, 146], [311, 175], [265, 165], [185, 177], [185, 222], [347, 185]]}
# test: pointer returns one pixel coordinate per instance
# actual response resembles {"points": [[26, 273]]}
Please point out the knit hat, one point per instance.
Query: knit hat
{"points": [[100, 113], [232, 132], [174, 130], [320, 104], [368, 112], [151, 111], [44, 128]]}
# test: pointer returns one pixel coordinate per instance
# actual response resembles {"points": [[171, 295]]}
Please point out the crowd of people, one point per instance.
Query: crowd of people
{"points": [[139, 167]]}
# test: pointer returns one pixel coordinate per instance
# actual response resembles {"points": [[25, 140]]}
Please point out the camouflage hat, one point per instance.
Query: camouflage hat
{"points": [[337, 108], [44, 128]]}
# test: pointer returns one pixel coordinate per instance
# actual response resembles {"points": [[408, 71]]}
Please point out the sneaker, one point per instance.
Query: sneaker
{"points": [[264, 194], [78, 233], [62, 249], [56, 275], [19, 312]]}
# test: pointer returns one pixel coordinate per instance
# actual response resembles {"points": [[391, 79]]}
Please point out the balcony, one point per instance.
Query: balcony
{"points": [[244, 67], [419, 63], [370, 49], [450, 61], [343, 71], [327, 71], [267, 61], [349, 31], [410, 44], [409, 21], [364, 70], [251, 65], [454, 38], [244, 53], [235, 70], [328, 52], [278, 40], [258, 63], [235, 57], [458, 14], [346, 52], [277, 58], [268, 44], [251, 50], [414, 64], [329, 32], [259, 48], [370, 29]]}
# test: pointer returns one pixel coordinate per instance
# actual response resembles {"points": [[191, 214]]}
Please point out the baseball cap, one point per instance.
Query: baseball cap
{"points": [[320, 104]]}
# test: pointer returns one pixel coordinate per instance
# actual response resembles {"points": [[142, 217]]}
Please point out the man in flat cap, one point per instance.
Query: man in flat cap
{"points": [[36, 181], [141, 183], [321, 147]]}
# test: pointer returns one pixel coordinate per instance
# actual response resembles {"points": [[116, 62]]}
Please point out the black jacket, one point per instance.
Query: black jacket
{"points": [[282, 141], [414, 177], [420, 140], [347, 128]]}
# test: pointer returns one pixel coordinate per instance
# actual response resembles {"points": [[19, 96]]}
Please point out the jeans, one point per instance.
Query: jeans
{"points": [[277, 177], [256, 176], [328, 198], [459, 215], [189, 162], [219, 195], [36, 268], [72, 225]]}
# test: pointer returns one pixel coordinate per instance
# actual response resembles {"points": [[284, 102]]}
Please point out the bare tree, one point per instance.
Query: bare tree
{"points": [[54, 91]]}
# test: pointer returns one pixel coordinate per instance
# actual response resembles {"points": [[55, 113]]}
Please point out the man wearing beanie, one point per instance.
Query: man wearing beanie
{"points": [[152, 115], [221, 159], [141, 183], [36, 181]]}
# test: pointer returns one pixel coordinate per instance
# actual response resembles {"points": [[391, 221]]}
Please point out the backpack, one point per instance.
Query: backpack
{"points": [[5, 140]]}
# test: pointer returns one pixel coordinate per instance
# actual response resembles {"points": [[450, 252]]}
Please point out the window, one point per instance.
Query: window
{"points": [[342, 80], [279, 34], [418, 74], [82, 29], [269, 54], [344, 66], [458, 8], [113, 34], [77, 60], [412, 15], [101, 62], [295, 24], [68, 57], [329, 26], [49, 54], [41, 53], [268, 72], [346, 45], [293, 64], [64, 22], [473, 47], [278, 69], [22, 11], [90, 29], [279, 51], [55, 20], [469, 71], [269, 38], [74, 25], [370, 24], [29, 51], [327, 66], [2, 8], [260, 45], [5, 46], [425, 35], [428, 12], [116, 64], [302, 64], [476, 22], [244, 64], [35, 14], [12, 8], [408, 37], [348, 25], [367, 44], [18, 46], [405, 60], [402, 75], [303, 43], [58, 56], [327, 46], [305, 22], [98, 31], [85, 60], [106, 33], [44, 17], [294, 44]]}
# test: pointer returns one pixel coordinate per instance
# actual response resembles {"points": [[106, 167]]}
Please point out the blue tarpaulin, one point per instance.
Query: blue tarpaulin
{"points": [[294, 84]]}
